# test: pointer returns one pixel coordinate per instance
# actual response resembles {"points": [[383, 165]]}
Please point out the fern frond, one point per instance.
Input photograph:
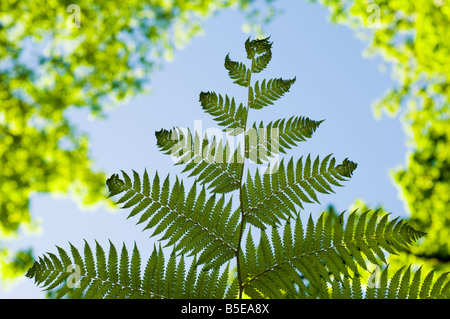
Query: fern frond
{"points": [[224, 111], [282, 188], [268, 270], [209, 161], [403, 284], [321, 252], [238, 72], [265, 141], [260, 52], [186, 218], [159, 280], [266, 93]]}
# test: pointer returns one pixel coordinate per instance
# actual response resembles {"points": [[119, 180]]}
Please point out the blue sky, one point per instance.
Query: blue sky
{"points": [[334, 82]]}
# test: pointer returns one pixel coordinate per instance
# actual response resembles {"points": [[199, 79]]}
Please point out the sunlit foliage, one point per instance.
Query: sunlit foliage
{"points": [[413, 38]]}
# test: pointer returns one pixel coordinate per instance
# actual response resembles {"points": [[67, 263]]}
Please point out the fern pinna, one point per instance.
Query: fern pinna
{"points": [[211, 225]]}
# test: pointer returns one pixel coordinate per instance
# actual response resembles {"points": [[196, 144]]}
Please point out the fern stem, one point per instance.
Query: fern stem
{"points": [[242, 225], [241, 231]]}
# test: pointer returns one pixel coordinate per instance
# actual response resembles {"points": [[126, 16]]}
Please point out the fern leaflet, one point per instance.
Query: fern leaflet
{"points": [[321, 252], [275, 196], [158, 280], [237, 71], [404, 284], [265, 141], [224, 111], [260, 52], [266, 93], [187, 219], [210, 162]]}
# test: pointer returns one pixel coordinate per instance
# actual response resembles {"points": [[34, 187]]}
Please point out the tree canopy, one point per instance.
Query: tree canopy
{"points": [[413, 37]]}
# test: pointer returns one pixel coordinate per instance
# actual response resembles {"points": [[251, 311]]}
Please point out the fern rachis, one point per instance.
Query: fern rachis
{"points": [[213, 227]]}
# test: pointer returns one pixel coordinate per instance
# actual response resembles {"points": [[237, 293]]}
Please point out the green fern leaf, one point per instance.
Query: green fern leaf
{"points": [[394, 284], [273, 203], [266, 141], [135, 268], [124, 275], [404, 284], [89, 260], [190, 228], [160, 279], [260, 52], [224, 111], [397, 286], [267, 93], [102, 268], [211, 163], [238, 72], [324, 248]]}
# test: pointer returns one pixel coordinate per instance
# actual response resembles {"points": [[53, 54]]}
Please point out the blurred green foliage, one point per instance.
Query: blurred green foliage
{"points": [[53, 60], [413, 36]]}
